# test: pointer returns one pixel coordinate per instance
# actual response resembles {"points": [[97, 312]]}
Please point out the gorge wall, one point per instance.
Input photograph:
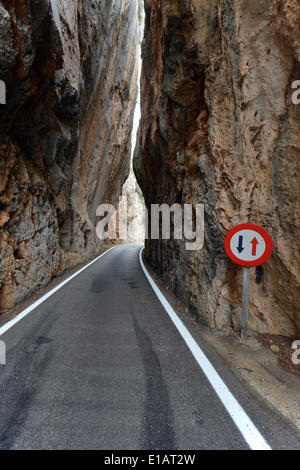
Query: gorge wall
{"points": [[219, 128], [70, 68]]}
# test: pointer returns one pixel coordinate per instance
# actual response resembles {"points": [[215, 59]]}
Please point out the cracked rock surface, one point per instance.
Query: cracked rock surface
{"points": [[219, 128], [70, 68]]}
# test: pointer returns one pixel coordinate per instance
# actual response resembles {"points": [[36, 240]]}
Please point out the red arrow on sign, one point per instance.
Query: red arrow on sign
{"points": [[254, 246]]}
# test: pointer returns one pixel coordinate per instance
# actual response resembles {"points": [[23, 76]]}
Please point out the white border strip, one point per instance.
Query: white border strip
{"points": [[250, 433], [29, 309]]}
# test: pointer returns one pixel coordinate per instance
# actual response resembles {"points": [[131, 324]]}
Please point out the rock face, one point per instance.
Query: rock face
{"points": [[136, 212], [127, 221], [219, 127], [132, 202], [70, 68]]}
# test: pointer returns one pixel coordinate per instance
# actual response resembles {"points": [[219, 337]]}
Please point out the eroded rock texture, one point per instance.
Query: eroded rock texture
{"points": [[70, 67], [131, 213], [219, 128]]}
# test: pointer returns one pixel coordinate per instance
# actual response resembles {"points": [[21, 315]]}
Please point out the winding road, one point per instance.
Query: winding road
{"points": [[100, 365]]}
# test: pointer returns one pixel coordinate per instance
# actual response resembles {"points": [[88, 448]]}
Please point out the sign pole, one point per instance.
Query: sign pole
{"points": [[247, 245], [245, 307]]}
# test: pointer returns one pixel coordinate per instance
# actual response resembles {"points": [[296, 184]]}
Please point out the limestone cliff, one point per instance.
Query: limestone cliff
{"points": [[70, 68], [128, 223], [219, 127]]}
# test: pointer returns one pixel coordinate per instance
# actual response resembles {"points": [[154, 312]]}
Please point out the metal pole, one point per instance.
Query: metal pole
{"points": [[244, 315]]}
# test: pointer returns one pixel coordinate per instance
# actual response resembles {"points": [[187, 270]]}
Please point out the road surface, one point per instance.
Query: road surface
{"points": [[100, 365]]}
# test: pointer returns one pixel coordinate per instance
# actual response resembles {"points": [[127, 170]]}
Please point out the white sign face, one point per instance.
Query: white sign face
{"points": [[248, 245]]}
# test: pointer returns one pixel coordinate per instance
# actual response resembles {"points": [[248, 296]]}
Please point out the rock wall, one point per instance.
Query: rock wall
{"points": [[132, 207], [136, 210], [219, 127], [70, 68]]}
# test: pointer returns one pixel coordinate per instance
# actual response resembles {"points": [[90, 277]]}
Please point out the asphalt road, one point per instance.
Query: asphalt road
{"points": [[100, 365]]}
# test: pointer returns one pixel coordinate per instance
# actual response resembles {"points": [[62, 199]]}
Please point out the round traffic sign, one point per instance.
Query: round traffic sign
{"points": [[248, 245]]}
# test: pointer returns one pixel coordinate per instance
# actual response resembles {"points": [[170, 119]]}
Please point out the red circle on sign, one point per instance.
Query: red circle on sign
{"points": [[267, 238]]}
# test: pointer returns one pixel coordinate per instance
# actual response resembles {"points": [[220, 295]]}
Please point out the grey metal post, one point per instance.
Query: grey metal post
{"points": [[245, 307]]}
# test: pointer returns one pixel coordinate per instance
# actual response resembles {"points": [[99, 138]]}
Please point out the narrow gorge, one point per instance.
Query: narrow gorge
{"points": [[218, 128], [149, 227]]}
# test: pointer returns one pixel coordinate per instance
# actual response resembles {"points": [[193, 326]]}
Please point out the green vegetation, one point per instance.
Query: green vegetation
{"points": [[141, 9], [107, 247]]}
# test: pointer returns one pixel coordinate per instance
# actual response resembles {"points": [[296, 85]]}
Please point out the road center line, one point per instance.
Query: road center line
{"points": [[248, 430], [33, 306]]}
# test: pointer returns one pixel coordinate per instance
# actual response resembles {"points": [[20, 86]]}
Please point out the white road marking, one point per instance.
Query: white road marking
{"points": [[248, 430], [29, 309]]}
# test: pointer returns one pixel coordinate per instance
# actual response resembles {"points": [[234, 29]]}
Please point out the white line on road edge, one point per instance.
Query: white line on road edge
{"points": [[29, 309], [249, 431]]}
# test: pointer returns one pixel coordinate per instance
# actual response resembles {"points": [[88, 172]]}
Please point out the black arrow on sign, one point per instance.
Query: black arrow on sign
{"points": [[240, 248]]}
